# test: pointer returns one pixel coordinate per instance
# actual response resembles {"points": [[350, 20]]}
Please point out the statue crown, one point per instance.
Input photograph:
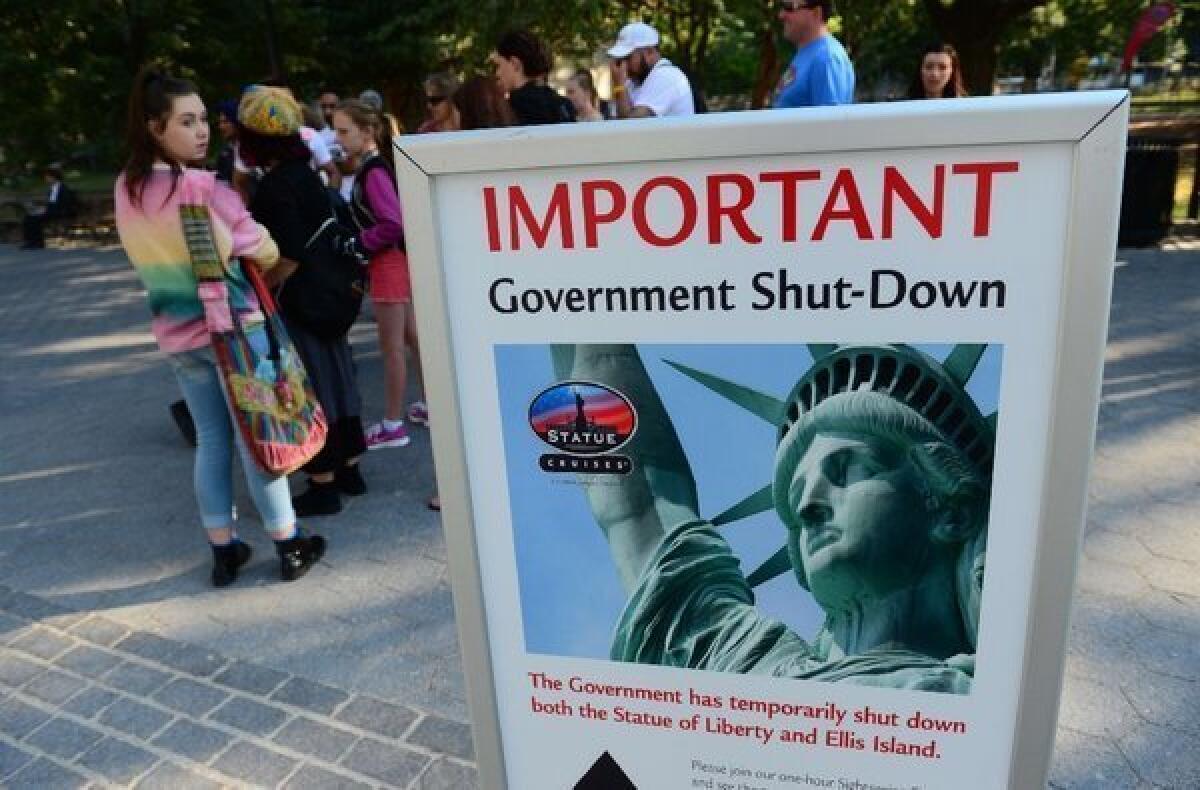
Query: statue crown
{"points": [[935, 390]]}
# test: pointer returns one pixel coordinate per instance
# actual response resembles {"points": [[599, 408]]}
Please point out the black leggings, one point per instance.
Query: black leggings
{"points": [[343, 442]]}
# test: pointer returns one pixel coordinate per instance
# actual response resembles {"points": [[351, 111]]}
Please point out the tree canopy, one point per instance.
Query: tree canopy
{"points": [[66, 75]]}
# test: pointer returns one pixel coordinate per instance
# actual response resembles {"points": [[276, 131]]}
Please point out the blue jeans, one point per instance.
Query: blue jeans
{"points": [[215, 438]]}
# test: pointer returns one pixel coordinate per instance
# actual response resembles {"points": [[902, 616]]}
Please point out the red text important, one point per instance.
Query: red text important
{"points": [[578, 213]]}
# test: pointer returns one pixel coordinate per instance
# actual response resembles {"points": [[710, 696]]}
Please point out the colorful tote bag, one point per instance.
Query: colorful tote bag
{"points": [[272, 399]]}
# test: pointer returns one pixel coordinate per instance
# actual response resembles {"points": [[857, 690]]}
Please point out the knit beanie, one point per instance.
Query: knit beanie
{"points": [[269, 111]]}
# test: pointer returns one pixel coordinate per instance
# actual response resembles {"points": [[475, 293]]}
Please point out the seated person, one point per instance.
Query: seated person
{"points": [[60, 204]]}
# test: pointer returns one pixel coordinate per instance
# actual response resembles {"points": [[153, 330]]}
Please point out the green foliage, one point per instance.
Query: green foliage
{"points": [[66, 74], [884, 39], [733, 59], [1070, 30]]}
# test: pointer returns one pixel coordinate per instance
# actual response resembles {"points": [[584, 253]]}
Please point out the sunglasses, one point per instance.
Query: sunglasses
{"points": [[791, 6], [434, 100]]}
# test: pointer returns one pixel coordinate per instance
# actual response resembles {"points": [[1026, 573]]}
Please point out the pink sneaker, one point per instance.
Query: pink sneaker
{"points": [[378, 437], [418, 413]]}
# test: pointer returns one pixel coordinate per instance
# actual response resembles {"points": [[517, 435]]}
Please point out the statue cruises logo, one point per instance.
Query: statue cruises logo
{"points": [[586, 423]]}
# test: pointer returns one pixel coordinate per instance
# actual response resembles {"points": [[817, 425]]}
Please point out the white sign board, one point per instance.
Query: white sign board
{"points": [[763, 438]]}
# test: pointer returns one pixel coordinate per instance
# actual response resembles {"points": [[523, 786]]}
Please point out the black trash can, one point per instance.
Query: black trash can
{"points": [[1148, 197]]}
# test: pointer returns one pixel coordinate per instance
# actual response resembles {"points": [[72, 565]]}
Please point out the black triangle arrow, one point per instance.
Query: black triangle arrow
{"points": [[605, 774]]}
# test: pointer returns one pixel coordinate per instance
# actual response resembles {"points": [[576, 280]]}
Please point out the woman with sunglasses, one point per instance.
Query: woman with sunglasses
{"points": [[439, 92]]}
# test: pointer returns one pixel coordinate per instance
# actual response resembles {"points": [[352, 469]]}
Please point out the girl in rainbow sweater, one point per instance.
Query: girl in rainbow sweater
{"points": [[169, 128]]}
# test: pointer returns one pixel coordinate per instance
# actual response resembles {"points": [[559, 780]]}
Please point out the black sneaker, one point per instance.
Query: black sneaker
{"points": [[321, 499], [299, 554], [226, 561], [350, 481]]}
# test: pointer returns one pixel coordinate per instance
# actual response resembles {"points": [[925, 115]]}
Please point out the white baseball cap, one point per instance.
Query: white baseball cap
{"points": [[633, 36]]}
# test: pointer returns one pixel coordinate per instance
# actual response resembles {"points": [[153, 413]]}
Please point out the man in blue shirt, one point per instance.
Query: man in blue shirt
{"points": [[820, 72]]}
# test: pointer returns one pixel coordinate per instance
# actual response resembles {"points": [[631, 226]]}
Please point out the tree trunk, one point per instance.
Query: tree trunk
{"points": [[978, 59], [135, 34], [767, 73], [975, 28], [274, 63]]}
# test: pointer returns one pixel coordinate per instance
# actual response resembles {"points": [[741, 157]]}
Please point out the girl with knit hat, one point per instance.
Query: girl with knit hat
{"points": [[292, 203], [168, 132]]}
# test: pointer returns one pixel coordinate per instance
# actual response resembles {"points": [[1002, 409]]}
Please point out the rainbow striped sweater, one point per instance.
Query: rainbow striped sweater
{"points": [[152, 235]]}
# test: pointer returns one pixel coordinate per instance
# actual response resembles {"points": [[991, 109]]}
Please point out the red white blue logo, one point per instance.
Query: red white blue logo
{"points": [[582, 418]]}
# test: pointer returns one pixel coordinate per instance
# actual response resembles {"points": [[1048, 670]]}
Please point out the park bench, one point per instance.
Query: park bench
{"points": [[93, 221], [12, 213]]}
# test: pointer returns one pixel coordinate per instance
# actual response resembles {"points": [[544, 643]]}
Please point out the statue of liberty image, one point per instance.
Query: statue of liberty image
{"points": [[882, 480], [581, 420]]}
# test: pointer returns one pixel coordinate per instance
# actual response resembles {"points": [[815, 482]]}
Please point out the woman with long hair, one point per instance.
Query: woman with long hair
{"points": [[293, 204], [168, 132], [364, 134], [480, 104], [581, 90], [939, 74]]}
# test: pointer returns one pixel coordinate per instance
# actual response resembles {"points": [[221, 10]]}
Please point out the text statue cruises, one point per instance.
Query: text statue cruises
{"points": [[763, 437]]}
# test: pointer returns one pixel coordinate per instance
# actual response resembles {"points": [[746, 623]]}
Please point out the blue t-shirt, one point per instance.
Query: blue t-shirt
{"points": [[820, 73]]}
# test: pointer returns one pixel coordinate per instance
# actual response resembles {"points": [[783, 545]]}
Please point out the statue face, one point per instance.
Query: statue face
{"points": [[863, 530]]}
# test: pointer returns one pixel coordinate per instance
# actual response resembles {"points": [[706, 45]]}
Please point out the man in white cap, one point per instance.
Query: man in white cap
{"points": [[645, 84]]}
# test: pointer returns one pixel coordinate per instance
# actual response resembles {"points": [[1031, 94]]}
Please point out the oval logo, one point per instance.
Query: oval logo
{"points": [[582, 418]]}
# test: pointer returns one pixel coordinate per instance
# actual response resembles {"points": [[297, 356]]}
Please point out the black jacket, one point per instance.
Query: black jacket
{"points": [[65, 204], [534, 103], [291, 203]]}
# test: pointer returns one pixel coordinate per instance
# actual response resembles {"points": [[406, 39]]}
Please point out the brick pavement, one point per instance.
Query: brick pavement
{"points": [[124, 667], [1130, 712], [98, 512], [351, 672], [85, 701]]}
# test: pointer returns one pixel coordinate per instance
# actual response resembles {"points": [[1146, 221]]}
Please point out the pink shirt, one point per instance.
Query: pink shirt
{"points": [[152, 235], [380, 194]]}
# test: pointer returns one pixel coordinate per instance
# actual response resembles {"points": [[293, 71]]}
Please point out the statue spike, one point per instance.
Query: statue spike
{"points": [[779, 564], [758, 502], [819, 350], [766, 407], [962, 361]]}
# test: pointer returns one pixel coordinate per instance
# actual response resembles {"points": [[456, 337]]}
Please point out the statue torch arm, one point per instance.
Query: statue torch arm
{"points": [[637, 510]]}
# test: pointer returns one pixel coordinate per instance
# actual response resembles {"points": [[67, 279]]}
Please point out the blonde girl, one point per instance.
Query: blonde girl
{"points": [[364, 134]]}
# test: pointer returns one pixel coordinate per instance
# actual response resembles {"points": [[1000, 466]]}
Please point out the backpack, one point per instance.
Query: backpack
{"points": [[325, 293]]}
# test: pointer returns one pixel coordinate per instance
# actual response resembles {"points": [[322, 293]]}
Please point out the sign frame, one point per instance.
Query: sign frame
{"points": [[1094, 123]]}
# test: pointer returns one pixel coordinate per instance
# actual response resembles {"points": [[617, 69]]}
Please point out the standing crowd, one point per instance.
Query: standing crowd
{"points": [[304, 218]]}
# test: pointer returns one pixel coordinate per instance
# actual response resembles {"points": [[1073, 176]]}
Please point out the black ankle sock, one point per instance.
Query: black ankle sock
{"points": [[319, 499], [349, 480]]}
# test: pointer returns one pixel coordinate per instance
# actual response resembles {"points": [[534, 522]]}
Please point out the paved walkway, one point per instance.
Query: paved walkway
{"points": [[353, 670], [1130, 713], [119, 666]]}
